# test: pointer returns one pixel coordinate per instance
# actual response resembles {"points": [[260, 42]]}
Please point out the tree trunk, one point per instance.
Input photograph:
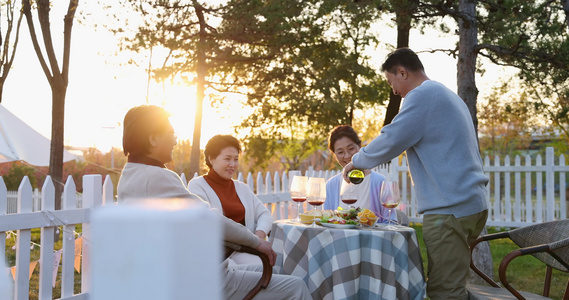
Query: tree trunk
{"points": [[482, 258], [200, 93], [467, 52], [59, 90], [58, 80], [467, 90], [403, 19]]}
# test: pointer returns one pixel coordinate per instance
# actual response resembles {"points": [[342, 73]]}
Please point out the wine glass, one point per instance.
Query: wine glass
{"points": [[389, 198], [349, 193], [316, 193], [298, 192]]}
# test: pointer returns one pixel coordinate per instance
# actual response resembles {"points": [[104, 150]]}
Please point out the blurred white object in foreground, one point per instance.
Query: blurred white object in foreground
{"points": [[155, 249], [6, 282]]}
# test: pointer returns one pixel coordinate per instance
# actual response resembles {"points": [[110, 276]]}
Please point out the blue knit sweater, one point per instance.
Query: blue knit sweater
{"points": [[434, 127]]}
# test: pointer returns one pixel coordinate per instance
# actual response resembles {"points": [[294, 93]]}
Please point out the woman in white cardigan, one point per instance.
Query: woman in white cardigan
{"points": [[232, 198]]}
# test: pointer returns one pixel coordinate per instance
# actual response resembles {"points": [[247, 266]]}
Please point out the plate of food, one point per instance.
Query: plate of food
{"points": [[338, 222], [338, 226], [311, 215], [348, 214]]}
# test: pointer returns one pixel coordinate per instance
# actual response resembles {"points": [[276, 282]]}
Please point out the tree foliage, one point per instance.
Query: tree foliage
{"points": [[531, 36], [300, 64], [317, 77], [16, 173], [534, 37], [507, 122]]}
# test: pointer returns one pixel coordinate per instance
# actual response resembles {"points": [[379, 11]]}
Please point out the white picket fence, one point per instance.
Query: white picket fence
{"points": [[518, 194], [528, 191], [75, 246]]}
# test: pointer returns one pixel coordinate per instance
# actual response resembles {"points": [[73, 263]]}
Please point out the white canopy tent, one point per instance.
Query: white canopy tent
{"points": [[18, 141]]}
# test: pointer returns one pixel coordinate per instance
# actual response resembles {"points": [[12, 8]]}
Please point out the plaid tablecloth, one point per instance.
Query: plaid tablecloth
{"points": [[351, 263]]}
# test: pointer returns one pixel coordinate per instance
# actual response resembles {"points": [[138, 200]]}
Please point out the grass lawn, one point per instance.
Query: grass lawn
{"points": [[525, 273]]}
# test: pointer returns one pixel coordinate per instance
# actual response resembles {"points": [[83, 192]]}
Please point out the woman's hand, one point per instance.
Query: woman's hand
{"points": [[261, 234], [266, 248]]}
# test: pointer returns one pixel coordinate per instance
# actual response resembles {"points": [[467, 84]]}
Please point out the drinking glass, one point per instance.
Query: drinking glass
{"points": [[316, 193], [349, 193], [389, 198], [298, 192]]}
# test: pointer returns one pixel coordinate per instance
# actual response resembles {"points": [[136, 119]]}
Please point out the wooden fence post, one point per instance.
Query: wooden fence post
{"points": [[562, 189], [550, 183], [68, 240], [3, 208], [529, 201], [92, 199], [23, 241], [507, 192], [539, 191], [47, 241], [108, 190], [517, 190]]}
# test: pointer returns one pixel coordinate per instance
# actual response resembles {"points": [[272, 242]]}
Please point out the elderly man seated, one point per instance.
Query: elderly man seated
{"points": [[148, 141]]}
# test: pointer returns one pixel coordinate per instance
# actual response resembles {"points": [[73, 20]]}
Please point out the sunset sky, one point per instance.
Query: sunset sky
{"points": [[100, 92]]}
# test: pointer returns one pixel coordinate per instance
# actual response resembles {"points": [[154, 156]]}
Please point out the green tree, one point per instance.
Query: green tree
{"points": [[199, 49], [317, 77], [533, 37], [185, 30], [406, 11], [15, 175], [58, 78], [507, 122], [299, 63]]}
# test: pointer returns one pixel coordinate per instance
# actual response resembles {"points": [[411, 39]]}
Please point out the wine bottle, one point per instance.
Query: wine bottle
{"points": [[356, 176]]}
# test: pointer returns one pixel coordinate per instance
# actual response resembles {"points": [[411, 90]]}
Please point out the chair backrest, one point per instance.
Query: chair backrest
{"points": [[402, 218], [545, 233]]}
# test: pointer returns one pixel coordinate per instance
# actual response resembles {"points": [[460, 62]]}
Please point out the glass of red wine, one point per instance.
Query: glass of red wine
{"points": [[389, 198], [349, 194], [298, 192], [316, 193]]}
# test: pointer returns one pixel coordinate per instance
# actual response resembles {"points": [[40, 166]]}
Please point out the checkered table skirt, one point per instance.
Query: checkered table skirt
{"points": [[351, 263]]}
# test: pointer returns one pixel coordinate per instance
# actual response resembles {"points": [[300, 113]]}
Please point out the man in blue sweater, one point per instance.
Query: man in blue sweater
{"points": [[435, 129]]}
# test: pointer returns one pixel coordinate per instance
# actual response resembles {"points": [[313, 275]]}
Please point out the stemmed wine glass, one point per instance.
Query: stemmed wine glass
{"points": [[316, 193], [389, 198], [298, 192], [348, 193]]}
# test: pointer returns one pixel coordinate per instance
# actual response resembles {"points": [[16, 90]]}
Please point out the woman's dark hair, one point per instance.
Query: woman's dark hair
{"points": [[404, 57], [139, 123], [218, 143], [343, 131]]}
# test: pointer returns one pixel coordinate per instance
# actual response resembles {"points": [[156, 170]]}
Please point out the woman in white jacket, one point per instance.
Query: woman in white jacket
{"points": [[232, 198]]}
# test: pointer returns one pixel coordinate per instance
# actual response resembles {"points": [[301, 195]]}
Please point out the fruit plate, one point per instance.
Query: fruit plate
{"points": [[338, 226]]}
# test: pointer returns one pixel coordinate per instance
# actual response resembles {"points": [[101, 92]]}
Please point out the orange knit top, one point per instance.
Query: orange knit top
{"points": [[225, 190]]}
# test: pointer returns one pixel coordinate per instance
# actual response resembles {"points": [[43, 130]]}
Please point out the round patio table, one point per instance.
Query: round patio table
{"points": [[359, 263]]}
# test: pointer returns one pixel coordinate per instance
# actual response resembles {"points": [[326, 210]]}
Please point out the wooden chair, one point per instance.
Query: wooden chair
{"points": [[548, 242], [267, 268]]}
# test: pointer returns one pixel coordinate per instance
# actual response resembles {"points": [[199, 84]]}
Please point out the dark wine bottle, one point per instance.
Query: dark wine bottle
{"points": [[356, 176]]}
